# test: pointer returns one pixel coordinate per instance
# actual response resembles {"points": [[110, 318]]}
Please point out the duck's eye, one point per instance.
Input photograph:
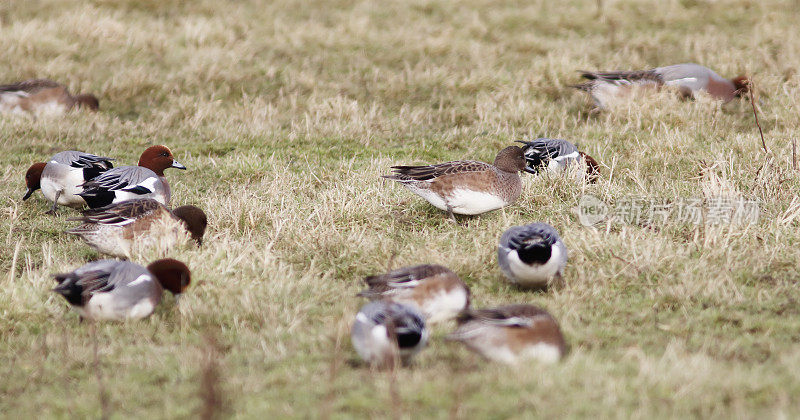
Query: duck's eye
{"points": [[165, 154]]}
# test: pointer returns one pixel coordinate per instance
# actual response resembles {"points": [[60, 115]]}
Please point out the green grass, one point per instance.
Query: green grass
{"points": [[287, 113]]}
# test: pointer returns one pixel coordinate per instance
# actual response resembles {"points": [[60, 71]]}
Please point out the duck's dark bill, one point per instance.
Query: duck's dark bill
{"points": [[28, 194]]}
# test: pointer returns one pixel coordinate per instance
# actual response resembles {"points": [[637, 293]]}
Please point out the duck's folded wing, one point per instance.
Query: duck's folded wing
{"points": [[508, 316], [89, 161], [546, 149], [135, 179], [429, 172], [406, 276], [79, 285], [402, 278], [120, 213], [623, 77], [29, 86]]}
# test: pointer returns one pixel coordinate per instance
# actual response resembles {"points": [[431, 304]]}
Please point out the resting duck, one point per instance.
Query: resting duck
{"points": [[387, 332], [511, 334], [466, 187], [120, 290], [608, 86], [60, 177], [532, 255], [42, 96], [437, 292], [117, 228], [129, 182], [554, 155]]}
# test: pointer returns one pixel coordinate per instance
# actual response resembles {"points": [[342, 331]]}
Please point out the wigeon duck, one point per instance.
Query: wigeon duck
{"points": [[121, 290], [689, 78], [555, 155], [385, 332], [437, 292], [532, 255], [129, 182], [114, 229], [466, 187], [42, 96], [60, 177], [511, 334]]}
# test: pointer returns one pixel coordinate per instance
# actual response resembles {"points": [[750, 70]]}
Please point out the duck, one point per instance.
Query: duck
{"points": [[532, 256], [43, 96], [438, 293], [555, 155], [386, 332], [146, 180], [60, 177], [118, 228], [113, 290], [688, 78], [466, 187], [511, 334]]}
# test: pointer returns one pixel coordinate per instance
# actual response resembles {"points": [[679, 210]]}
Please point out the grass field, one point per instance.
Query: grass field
{"points": [[286, 114]]}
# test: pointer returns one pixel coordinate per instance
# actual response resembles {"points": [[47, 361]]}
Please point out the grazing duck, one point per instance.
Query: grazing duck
{"points": [[42, 96], [511, 334], [466, 187], [555, 155], [437, 292], [111, 290], [60, 177], [689, 79], [532, 255], [129, 182], [115, 229], [385, 332]]}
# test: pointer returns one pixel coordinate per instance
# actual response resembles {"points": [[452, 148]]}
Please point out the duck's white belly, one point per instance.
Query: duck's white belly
{"points": [[49, 108], [435, 199], [445, 305], [67, 183], [543, 352], [471, 202], [102, 307]]}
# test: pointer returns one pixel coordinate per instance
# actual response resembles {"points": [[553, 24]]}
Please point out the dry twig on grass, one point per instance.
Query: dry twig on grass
{"points": [[750, 89]]}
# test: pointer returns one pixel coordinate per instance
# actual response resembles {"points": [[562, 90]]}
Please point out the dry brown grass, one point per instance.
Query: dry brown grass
{"points": [[287, 113]]}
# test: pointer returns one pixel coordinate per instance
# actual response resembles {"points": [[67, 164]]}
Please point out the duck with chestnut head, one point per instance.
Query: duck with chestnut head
{"points": [[61, 176], [606, 87], [119, 229], [555, 155], [111, 290], [43, 96], [146, 180]]}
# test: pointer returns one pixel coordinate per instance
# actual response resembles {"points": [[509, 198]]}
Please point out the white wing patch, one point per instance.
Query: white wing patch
{"points": [[681, 81], [141, 279]]}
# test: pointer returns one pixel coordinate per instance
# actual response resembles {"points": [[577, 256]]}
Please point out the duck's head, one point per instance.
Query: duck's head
{"points": [[159, 158], [592, 168], [742, 85], [510, 159], [195, 220], [87, 101], [172, 274], [33, 179]]}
